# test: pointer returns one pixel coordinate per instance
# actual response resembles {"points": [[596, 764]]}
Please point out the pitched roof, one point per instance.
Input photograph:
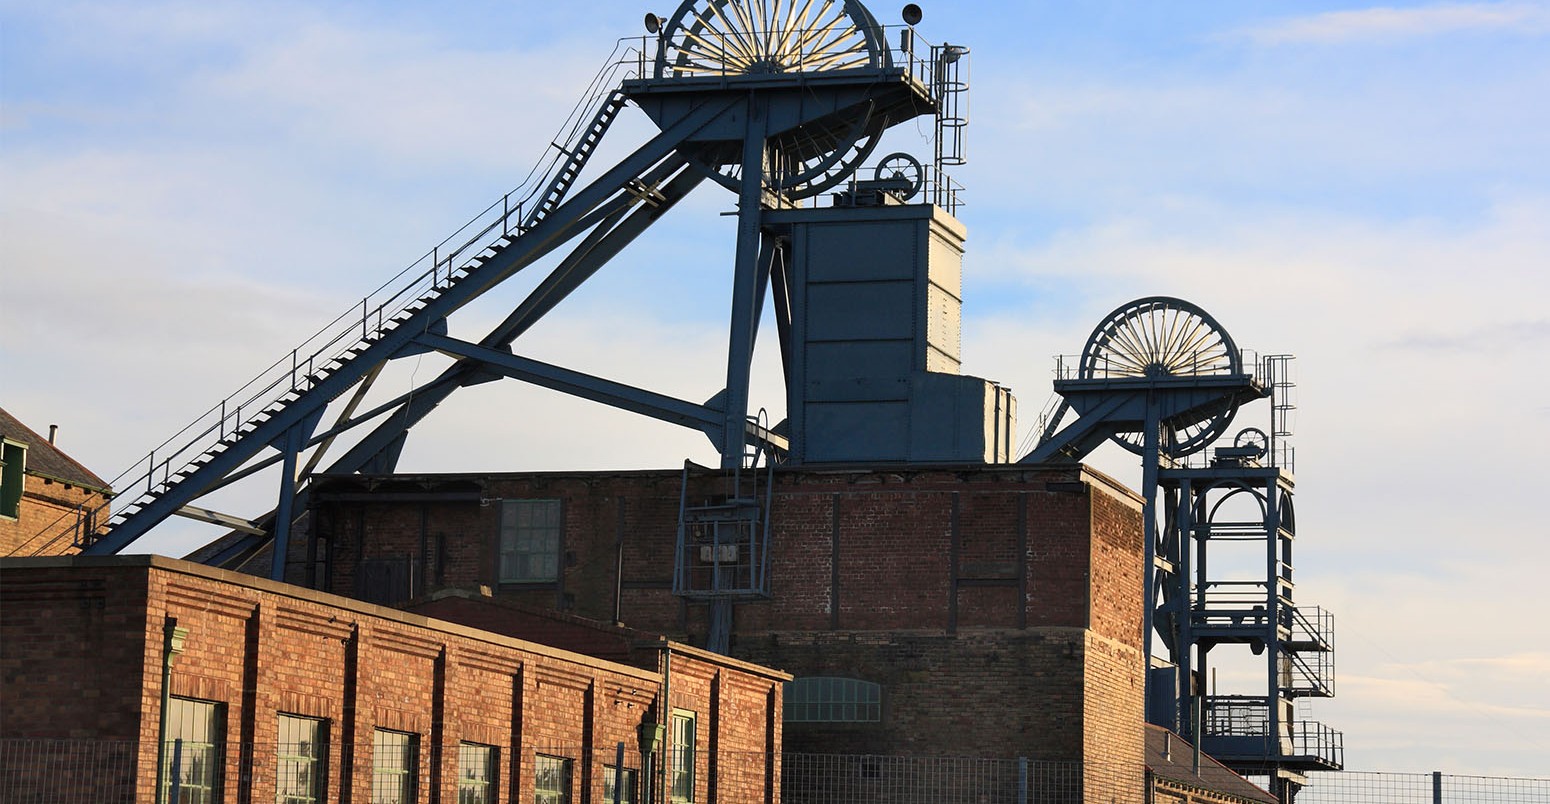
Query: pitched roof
{"points": [[1169, 757], [45, 460]]}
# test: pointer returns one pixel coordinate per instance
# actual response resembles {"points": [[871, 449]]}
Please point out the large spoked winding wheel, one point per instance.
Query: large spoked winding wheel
{"points": [[1159, 338], [726, 38]]}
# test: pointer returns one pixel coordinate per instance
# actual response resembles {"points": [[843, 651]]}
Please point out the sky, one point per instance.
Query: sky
{"points": [[189, 189]]}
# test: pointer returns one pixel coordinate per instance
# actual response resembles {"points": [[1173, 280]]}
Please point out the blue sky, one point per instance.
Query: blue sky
{"points": [[188, 189]]}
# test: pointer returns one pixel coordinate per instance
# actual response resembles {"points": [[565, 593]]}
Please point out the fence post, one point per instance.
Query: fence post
{"points": [[1436, 787], [1022, 780], [176, 794], [618, 772]]}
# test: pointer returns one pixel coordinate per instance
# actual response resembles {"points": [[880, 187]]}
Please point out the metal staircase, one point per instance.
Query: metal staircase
{"points": [[339, 355]]}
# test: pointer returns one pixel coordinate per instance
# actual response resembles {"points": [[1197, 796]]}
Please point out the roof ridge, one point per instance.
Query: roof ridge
{"points": [[39, 442]]}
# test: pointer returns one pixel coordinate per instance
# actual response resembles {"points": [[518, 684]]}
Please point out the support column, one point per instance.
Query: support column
{"points": [[295, 439], [747, 288]]}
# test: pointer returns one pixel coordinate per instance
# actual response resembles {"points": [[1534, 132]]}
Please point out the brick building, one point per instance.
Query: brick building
{"points": [[48, 501], [280, 693], [969, 610]]}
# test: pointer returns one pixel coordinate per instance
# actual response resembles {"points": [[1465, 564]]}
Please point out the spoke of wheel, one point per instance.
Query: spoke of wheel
{"points": [[1173, 346], [856, 54], [817, 34], [749, 29], [696, 46], [727, 29], [1132, 345], [795, 21], [1194, 339]]}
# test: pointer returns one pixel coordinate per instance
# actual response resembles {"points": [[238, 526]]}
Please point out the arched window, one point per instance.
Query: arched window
{"points": [[826, 699]]}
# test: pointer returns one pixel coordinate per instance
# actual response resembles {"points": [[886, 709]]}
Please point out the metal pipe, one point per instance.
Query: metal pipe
{"points": [[665, 720]]}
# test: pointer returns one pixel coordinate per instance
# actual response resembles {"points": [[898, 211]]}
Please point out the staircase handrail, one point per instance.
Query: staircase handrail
{"points": [[330, 346]]}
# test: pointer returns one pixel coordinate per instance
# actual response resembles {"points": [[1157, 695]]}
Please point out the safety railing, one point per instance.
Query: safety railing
{"points": [[336, 343], [722, 54], [1204, 363], [1248, 717]]}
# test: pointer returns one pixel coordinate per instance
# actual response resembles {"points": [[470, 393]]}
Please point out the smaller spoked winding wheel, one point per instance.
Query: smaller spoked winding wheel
{"points": [[1161, 338], [744, 37], [901, 174]]}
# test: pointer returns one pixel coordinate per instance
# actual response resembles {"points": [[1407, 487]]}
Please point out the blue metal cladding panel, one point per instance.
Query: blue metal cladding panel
{"points": [[860, 311], [833, 362], [860, 252], [858, 431]]}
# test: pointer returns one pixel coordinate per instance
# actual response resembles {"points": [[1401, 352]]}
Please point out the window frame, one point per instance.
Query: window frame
{"points": [[316, 763], [631, 784], [680, 769], [552, 795], [515, 541], [179, 714], [404, 781], [485, 789], [13, 478], [831, 699]]}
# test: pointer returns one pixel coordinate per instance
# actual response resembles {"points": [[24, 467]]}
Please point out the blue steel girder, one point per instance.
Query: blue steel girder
{"points": [[1105, 407], [586, 386], [378, 451], [585, 209]]}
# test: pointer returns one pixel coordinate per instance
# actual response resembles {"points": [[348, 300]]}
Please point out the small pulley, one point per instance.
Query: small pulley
{"points": [[899, 175]]}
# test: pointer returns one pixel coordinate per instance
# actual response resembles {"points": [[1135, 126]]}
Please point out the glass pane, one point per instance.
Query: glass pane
{"points": [[393, 766], [626, 791], [551, 780], [193, 749], [476, 770]]}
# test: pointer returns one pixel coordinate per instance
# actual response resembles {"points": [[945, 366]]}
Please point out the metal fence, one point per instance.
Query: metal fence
{"points": [[60, 771], [1361, 787], [49, 771]]}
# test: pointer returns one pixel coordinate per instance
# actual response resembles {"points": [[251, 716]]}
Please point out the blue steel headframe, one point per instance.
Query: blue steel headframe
{"points": [[840, 104], [827, 83]]}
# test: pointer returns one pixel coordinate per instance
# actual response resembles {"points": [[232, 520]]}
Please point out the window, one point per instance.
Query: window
{"points": [[681, 767], [394, 760], [551, 780], [13, 481], [625, 791], [302, 775], [530, 541], [475, 773], [192, 755], [821, 699]]}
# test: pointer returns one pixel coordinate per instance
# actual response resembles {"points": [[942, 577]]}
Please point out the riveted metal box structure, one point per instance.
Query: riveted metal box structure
{"points": [[875, 328]]}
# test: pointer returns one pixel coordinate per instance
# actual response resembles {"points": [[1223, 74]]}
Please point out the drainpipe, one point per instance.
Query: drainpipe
{"points": [[172, 645], [663, 793]]}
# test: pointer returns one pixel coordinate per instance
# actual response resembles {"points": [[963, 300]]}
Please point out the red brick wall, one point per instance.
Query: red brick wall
{"points": [[957, 590], [80, 648], [50, 516]]}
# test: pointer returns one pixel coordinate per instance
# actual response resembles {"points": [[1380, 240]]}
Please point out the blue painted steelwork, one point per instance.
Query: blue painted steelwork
{"points": [[777, 101], [1162, 379]]}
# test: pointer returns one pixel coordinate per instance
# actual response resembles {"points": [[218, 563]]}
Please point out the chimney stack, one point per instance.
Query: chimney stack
{"points": [[53, 430]]}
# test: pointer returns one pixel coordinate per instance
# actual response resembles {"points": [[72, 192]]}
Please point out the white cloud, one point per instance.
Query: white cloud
{"points": [[1387, 23]]}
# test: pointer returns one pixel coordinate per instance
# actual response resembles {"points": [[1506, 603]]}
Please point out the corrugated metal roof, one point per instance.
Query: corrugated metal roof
{"points": [[45, 460]]}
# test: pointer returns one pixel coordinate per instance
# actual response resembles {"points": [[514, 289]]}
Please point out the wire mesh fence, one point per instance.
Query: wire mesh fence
{"points": [[59, 771], [50, 771], [1362, 787]]}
